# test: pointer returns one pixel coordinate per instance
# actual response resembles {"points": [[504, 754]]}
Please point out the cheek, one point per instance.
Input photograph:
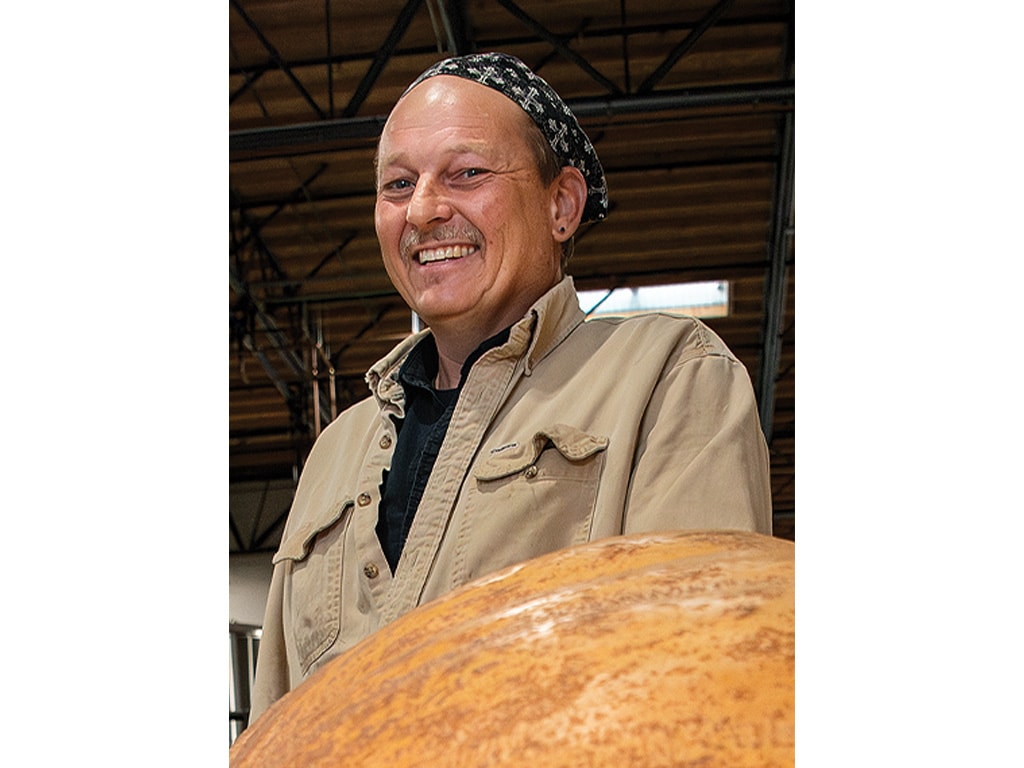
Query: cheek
{"points": [[380, 219], [518, 222], [389, 223]]}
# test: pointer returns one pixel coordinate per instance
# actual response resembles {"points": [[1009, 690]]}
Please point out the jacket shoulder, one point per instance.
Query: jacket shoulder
{"points": [[680, 336]]}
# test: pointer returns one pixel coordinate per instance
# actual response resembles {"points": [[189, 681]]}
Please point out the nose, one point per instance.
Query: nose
{"points": [[428, 203]]}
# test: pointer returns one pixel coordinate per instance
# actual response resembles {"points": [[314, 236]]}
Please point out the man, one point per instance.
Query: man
{"points": [[510, 428]]}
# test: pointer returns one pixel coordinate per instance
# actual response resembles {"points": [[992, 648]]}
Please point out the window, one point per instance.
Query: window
{"points": [[706, 299]]}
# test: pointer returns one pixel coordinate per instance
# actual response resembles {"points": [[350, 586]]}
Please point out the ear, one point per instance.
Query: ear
{"points": [[568, 197]]}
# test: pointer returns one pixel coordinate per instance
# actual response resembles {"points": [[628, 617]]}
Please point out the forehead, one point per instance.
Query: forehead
{"points": [[445, 108]]}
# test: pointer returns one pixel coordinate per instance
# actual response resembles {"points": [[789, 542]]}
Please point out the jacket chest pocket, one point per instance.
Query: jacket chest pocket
{"points": [[312, 600], [532, 498]]}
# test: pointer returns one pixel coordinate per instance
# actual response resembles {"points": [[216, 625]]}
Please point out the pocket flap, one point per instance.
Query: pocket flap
{"points": [[572, 443], [297, 544]]}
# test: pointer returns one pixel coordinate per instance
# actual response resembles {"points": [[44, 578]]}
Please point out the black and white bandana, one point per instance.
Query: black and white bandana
{"points": [[511, 77]]}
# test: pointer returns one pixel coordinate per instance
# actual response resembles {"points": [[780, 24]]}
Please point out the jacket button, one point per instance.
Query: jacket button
{"points": [[371, 571], [385, 442], [364, 499], [531, 471]]}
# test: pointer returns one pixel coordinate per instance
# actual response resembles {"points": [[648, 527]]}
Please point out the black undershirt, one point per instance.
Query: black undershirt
{"points": [[428, 412]]}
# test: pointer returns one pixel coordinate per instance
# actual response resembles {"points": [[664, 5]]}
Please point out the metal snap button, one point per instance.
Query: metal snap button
{"points": [[364, 499], [371, 571]]}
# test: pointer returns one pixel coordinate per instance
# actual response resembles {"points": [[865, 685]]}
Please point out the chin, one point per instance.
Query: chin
{"points": [[441, 305]]}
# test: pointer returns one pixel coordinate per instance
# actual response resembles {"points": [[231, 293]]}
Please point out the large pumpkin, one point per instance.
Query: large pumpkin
{"points": [[647, 650]]}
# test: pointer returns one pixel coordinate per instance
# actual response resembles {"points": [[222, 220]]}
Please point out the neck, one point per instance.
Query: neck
{"points": [[457, 338], [449, 368], [455, 343]]}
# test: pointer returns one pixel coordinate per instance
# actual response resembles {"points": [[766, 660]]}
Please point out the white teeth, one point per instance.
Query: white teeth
{"points": [[443, 254]]}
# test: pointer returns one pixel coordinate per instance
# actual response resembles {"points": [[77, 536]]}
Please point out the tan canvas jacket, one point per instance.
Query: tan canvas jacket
{"points": [[571, 431]]}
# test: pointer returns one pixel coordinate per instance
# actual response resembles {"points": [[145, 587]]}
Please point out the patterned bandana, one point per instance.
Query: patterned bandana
{"points": [[511, 77]]}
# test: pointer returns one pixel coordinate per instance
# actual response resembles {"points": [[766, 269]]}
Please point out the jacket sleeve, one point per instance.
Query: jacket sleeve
{"points": [[702, 461], [272, 674]]}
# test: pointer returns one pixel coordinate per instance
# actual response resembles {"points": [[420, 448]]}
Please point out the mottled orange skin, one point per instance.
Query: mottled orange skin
{"points": [[647, 650]]}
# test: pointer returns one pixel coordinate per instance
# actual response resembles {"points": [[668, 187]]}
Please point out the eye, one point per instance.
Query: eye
{"points": [[469, 173], [396, 189], [397, 185]]}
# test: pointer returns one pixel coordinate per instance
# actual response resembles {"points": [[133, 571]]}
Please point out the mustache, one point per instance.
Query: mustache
{"points": [[445, 233]]}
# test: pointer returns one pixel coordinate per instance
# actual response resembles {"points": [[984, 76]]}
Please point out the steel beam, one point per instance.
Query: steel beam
{"points": [[278, 341], [302, 136], [775, 282], [255, 225], [249, 80], [556, 42], [276, 57], [510, 41], [456, 26], [779, 247], [680, 50], [405, 17], [330, 54], [350, 235], [685, 98]]}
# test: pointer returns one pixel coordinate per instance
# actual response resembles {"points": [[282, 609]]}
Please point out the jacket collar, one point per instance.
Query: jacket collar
{"points": [[550, 320], [552, 317]]}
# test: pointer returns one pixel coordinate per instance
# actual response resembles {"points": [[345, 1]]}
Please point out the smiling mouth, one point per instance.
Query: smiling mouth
{"points": [[447, 253]]}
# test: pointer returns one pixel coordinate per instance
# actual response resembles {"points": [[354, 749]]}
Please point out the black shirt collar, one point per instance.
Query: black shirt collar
{"points": [[420, 367]]}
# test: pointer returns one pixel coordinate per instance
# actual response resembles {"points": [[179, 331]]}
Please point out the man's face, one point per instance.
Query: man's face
{"points": [[464, 221]]}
